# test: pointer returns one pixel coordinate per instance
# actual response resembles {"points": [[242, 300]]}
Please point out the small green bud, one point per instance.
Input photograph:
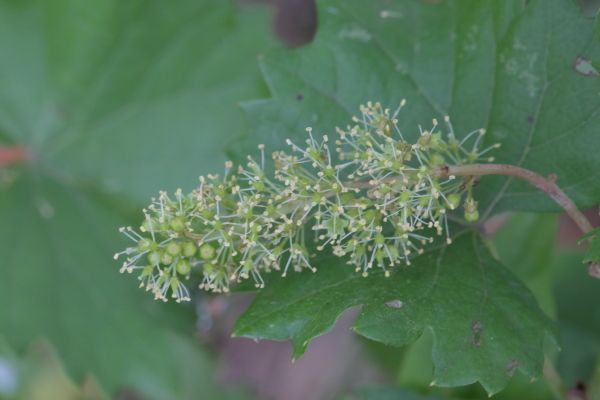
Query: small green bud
{"points": [[183, 267], [424, 140], [178, 224], [454, 200], [173, 248], [379, 239], [248, 265], [437, 159], [153, 258], [147, 271], [404, 196], [209, 269], [146, 245], [471, 213], [207, 251], [166, 258], [189, 249], [471, 216]]}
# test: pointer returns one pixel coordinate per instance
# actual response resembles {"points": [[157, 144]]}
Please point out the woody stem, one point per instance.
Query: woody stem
{"points": [[546, 185]]}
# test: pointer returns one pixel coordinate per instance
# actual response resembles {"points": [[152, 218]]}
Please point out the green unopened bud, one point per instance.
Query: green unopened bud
{"points": [[471, 213], [189, 249], [454, 200], [183, 267], [166, 258], [178, 224], [146, 245], [471, 216], [173, 248], [207, 252], [437, 159], [153, 258]]}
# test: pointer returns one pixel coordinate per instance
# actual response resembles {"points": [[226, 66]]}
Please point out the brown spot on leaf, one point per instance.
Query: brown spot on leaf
{"points": [[476, 328]]}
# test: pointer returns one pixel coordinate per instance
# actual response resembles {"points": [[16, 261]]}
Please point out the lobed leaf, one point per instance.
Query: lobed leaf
{"points": [[112, 99], [510, 67], [485, 323]]}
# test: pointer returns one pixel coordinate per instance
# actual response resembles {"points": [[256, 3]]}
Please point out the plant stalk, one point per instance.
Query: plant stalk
{"points": [[547, 185]]}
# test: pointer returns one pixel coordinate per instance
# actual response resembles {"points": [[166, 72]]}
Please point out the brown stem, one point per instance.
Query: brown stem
{"points": [[546, 185]]}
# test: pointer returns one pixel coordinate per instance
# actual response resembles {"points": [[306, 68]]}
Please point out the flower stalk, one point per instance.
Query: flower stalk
{"points": [[370, 196]]}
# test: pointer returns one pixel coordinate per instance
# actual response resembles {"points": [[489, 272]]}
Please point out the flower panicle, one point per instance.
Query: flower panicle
{"points": [[370, 196]]}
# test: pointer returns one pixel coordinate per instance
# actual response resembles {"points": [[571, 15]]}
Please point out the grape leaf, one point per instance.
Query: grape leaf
{"points": [[485, 323], [578, 321], [39, 375], [137, 96], [592, 253], [507, 66], [110, 96], [524, 244], [59, 283]]}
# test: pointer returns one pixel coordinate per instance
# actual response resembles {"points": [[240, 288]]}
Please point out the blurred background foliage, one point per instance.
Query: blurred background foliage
{"points": [[112, 100]]}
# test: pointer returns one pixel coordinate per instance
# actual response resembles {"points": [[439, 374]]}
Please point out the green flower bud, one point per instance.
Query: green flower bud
{"points": [[166, 258], [146, 245], [454, 200], [183, 267], [178, 224], [189, 249], [471, 216], [207, 251], [154, 258], [173, 248]]}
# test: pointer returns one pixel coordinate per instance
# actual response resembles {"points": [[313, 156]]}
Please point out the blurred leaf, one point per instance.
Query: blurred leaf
{"points": [[40, 376], [506, 66], [111, 97], [579, 319], [485, 323], [592, 253], [525, 244], [61, 284], [137, 95]]}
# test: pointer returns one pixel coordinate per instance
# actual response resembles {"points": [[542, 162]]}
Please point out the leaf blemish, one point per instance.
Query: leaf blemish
{"points": [[355, 32], [585, 67], [395, 304], [511, 367], [476, 328]]}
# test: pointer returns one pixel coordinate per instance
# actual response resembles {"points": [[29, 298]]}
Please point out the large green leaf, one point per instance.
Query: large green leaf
{"points": [[485, 323], [58, 282], [137, 95], [592, 253], [525, 244], [114, 100], [508, 66], [578, 319]]}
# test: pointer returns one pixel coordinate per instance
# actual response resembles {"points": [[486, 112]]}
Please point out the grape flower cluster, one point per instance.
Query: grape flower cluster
{"points": [[370, 196]]}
